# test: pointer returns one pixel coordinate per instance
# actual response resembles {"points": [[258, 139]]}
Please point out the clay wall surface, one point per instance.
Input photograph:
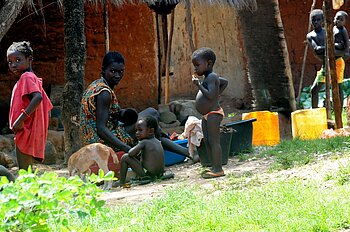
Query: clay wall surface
{"points": [[131, 33], [217, 28]]}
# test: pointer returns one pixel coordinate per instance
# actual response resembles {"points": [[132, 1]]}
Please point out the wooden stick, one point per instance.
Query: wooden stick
{"points": [[304, 58], [168, 52], [106, 27], [326, 69], [159, 60]]}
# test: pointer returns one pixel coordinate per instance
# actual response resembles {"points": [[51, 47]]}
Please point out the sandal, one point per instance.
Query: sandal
{"points": [[118, 185], [210, 174], [205, 171], [142, 180], [126, 185]]}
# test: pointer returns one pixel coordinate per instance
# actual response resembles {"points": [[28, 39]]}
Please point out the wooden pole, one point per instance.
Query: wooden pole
{"points": [[331, 60], [106, 27], [159, 59], [168, 52], [304, 58], [327, 75], [328, 86], [164, 34]]}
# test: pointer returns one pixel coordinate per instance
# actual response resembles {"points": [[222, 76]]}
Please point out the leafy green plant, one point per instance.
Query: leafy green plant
{"points": [[305, 95], [36, 203], [305, 98], [346, 87]]}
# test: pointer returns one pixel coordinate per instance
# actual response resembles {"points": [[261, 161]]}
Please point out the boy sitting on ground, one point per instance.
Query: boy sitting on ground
{"points": [[151, 161]]}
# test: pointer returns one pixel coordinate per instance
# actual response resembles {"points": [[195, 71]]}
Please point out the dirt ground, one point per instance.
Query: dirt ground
{"points": [[185, 173], [189, 174]]}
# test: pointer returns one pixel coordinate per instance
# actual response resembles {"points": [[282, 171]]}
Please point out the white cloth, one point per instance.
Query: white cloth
{"points": [[193, 131]]}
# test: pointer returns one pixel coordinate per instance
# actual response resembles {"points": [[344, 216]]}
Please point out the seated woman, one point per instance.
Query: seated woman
{"points": [[100, 104]]}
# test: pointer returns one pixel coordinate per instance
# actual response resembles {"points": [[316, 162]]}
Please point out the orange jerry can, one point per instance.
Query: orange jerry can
{"points": [[266, 129]]}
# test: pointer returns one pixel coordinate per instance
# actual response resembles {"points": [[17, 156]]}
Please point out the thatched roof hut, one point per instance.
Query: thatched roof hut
{"points": [[49, 14], [10, 9]]}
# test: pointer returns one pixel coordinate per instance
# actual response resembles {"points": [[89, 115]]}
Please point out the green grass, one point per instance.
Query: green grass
{"points": [[244, 202], [292, 205], [291, 153]]}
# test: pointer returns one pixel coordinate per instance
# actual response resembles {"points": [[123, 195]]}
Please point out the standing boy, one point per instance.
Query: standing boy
{"points": [[341, 44], [207, 103]]}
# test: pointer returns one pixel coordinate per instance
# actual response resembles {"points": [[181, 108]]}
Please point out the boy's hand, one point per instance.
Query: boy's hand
{"points": [[195, 80]]}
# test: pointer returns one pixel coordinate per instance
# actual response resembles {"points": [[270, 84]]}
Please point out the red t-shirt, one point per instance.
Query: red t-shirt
{"points": [[32, 139]]}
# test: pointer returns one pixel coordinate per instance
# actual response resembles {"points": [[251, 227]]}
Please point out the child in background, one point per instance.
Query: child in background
{"points": [[29, 108], [341, 36], [316, 40], [341, 45], [150, 148], [207, 103]]}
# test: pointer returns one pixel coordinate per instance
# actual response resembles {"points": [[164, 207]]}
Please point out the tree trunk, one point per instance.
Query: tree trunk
{"points": [[74, 70], [8, 14], [268, 59]]}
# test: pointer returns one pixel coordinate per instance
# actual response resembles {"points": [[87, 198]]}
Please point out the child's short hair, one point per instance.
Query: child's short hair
{"points": [[23, 47], [206, 53], [151, 122], [110, 58], [127, 116], [343, 13], [316, 12]]}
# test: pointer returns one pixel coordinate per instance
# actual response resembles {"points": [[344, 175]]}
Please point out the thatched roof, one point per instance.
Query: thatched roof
{"points": [[237, 4]]}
